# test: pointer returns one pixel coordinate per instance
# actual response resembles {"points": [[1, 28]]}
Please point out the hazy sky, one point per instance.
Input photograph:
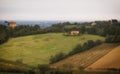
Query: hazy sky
{"points": [[59, 9]]}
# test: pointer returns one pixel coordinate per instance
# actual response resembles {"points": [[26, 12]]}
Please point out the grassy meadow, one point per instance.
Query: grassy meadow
{"points": [[37, 49]]}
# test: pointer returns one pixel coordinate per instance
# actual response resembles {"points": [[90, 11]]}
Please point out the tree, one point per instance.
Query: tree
{"points": [[3, 34], [114, 21], [77, 49], [86, 46], [82, 29], [113, 33]]}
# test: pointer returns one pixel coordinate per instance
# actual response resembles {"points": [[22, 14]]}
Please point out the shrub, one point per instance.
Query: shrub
{"points": [[3, 34], [57, 57], [86, 46], [77, 49], [43, 68]]}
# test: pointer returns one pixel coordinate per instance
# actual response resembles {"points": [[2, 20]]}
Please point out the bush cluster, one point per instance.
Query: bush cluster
{"points": [[79, 48]]}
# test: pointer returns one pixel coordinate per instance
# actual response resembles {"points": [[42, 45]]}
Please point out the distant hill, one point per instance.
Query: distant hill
{"points": [[109, 61], [41, 23], [84, 59]]}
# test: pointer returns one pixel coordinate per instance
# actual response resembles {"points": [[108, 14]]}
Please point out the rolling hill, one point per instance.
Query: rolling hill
{"points": [[37, 49], [109, 61], [84, 59]]}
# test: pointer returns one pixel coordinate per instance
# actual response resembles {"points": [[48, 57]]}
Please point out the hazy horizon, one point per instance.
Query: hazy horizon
{"points": [[59, 10]]}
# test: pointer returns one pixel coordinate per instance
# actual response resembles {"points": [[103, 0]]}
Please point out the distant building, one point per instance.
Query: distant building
{"points": [[74, 32], [12, 24], [93, 24]]}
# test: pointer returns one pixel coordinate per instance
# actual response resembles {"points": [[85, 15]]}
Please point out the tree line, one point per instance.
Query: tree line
{"points": [[3, 34], [79, 48], [110, 30], [20, 30]]}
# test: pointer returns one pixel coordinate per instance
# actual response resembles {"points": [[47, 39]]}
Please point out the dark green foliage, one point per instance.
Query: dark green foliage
{"points": [[31, 72], [43, 68], [109, 39], [79, 48], [3, 34], [98, 42], [57, 57], [108, 29], [112, 39], [56, 28], [82, 29], [114, 69], [60, 27], [114, 21], [22, 30], [113, 33], [86, 46], [61, 72], [92, 30]]}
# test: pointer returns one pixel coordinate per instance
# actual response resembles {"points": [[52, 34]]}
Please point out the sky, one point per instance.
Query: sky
{"points": [[78, 10]]}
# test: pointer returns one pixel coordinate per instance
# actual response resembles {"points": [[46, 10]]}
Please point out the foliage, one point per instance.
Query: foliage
{"points": [[113, 33], [79, 48], [43, 68], [3, 34], [102, 28], [22, 30], [114, 69], [86, 46], [57, 57], [41, 47]]}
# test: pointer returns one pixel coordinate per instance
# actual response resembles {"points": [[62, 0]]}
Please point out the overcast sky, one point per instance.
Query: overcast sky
{"points": [[59, 9]]}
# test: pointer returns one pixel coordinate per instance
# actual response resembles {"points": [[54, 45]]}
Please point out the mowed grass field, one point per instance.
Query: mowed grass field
{"points": [[37, 49]]}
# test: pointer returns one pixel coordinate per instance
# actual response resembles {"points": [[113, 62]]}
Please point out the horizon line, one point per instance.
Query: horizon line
{"points": [[60, 20]]}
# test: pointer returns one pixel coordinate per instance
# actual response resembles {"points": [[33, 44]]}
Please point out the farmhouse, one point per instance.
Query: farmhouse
{"points": [[93, 24], [12, 24], [74, 32]]}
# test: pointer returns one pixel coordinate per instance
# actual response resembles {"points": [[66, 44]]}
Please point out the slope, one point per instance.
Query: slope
{"points": [[83, 60], [109, 61], [37, 49]]}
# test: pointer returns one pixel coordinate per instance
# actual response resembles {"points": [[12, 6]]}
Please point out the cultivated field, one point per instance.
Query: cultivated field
{"points": [[84, 59], [37, 49], [109, 61]]}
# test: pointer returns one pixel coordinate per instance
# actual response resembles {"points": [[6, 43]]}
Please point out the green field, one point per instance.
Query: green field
{"points": [[37, 49]]}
